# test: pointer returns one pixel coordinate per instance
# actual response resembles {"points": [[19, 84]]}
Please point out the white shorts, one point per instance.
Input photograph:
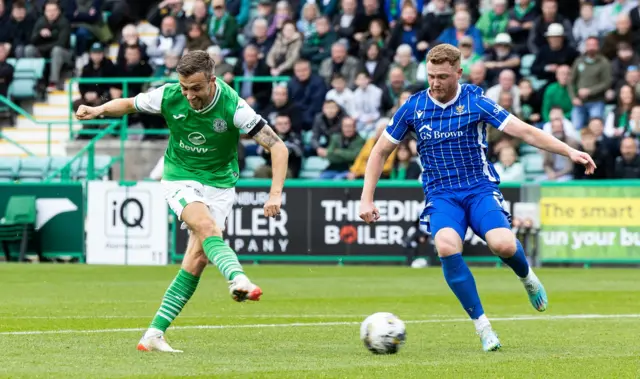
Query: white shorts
{"points": [[182, 192]]}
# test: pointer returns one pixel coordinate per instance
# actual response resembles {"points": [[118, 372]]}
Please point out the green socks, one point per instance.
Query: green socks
{"points": [[223, 257], [177, 295]]}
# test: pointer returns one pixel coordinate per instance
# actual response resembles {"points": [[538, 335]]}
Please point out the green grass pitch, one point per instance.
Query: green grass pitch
{"points": [[80, 321]]}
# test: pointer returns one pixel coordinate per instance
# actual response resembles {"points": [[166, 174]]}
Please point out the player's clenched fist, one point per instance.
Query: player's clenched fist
{"points": [[369, 213], [272, 206], [87, 113]]}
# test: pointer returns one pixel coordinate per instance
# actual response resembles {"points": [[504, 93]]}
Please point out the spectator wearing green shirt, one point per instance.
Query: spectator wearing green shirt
{"points": [[557, 94], [493, 22]]}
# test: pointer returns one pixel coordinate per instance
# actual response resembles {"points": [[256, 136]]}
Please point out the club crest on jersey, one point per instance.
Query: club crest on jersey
{"points": [[460, 109], [219, 126]]}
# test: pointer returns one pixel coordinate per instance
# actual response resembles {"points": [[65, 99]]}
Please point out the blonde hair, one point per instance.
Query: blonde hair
{"points": [[444, 53]]}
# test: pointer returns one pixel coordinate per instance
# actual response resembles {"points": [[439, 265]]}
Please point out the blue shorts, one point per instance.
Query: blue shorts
{"points": [[480, 207]]}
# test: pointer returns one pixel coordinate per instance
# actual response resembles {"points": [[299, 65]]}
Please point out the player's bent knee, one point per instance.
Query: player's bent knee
{"points": [[447, 242], [206, 228], [501, 242]]}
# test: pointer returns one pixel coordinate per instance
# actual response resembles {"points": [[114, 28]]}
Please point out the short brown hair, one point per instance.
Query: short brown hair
{"points": [[444, 53], [194, 62]]}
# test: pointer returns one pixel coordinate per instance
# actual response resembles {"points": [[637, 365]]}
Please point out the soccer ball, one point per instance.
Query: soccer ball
{"points": [[383, 333]]}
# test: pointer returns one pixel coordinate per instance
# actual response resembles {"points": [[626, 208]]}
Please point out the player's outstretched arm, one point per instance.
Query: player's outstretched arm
{"points": [[113, 108], [538, 138], [379, 154], [268, 139]]}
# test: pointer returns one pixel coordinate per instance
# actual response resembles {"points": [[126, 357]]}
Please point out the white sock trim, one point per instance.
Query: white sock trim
{"points": [[481, 323]]}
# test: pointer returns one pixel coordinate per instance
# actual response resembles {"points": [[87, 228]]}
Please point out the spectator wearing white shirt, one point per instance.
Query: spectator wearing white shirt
{"points": [[508, 169], [368, 99], [586, 26], [342, 95], [556, 115], [608, 14], [168, 39], [506, 83]]}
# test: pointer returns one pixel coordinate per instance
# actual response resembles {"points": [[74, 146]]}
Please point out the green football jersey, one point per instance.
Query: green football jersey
{"points": [[203, 144]]}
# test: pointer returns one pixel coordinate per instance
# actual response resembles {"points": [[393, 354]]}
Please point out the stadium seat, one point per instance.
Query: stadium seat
{"points": [[312, 167], [9, 167], [306, 137], [18, 223], [23, 88], [533, 164], [525, 64], [251, 163], [34, 168], [525, 149], [57, 163], [29, 68], [99, 164]]}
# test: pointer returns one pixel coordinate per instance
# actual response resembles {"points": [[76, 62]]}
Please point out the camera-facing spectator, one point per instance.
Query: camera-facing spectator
{"points": [[308, 91], [98, 67], [408, 24], [462, 27], [255, 93], [617, 122], [367, 103], [50, 39], [265, 12], [342, 95], [391, 92], [342, 150], [538, 36], [530, 103], [628, 163], [521, 20], [339, 62], [168, 39], [130, 37], [506, 83], [558, 167], [554, 54], [281, 104], [590, 79], [405, 166], [326, 123], [197, 38], [493, 22], [317, 47], [199, 15], [307, 22], [285, 51], [601, 156], [21, 25], [501, 57], [622, 33], [223, 29], [374, 62], [260, 37], [508, 167], [557, 94], [293, 143], [586, 26]]}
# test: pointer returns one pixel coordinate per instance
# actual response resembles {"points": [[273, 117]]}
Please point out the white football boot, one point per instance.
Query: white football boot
{"points": [[242, 289], [153, 340]]}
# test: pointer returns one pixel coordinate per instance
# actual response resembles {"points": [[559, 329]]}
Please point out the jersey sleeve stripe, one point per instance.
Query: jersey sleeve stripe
{"points": [[135, 104], [390, 137], [505, 122]]}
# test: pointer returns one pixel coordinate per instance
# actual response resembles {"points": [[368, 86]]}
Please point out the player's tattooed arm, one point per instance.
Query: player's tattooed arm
{"points": [[267, 138]]}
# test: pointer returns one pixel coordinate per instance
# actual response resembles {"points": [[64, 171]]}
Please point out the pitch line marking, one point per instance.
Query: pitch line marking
{"points": [[336, 323]]}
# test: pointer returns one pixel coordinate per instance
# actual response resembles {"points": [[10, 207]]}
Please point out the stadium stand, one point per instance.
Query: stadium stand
{"points": [[532, 39]]}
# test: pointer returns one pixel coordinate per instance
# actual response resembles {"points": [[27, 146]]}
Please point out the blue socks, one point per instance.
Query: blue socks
{"points": [[461, 282], [518, 262]]}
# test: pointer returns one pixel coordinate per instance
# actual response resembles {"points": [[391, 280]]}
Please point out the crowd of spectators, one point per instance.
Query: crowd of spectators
{"points": [[570, 67]]}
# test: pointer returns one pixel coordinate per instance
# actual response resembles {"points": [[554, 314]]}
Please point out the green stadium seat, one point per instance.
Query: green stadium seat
{"points": [[12, 61], [315, 164], [34, 168], [525, 64], [18, 224], [525, 149], [306, 137], [99, 164], [23, 88], [9, 167], [6, 179], [533, 163], [29, 68], [56, 164], [251, 163]]}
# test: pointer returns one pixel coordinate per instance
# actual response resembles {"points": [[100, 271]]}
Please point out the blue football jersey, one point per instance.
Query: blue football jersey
{"points": [[451, 137]]}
